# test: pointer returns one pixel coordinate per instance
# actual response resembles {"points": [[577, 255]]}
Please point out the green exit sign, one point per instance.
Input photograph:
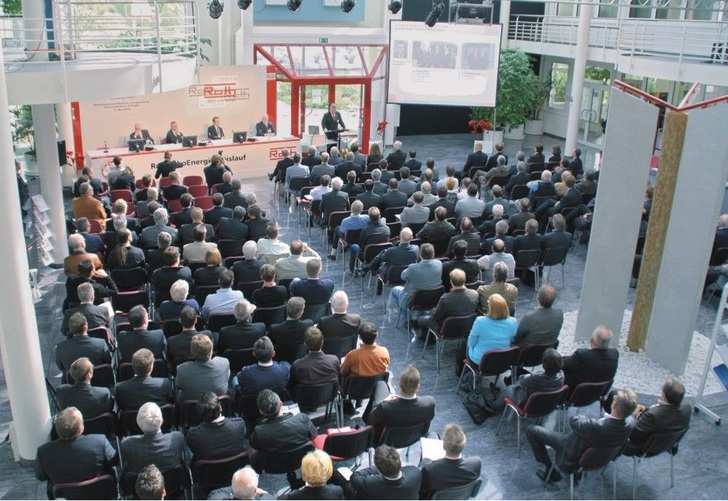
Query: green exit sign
{"points": [[323, 40]]}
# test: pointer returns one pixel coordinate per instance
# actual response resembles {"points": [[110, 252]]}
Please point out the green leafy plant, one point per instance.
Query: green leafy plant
{"points": [[541, 93], [21, 120]]}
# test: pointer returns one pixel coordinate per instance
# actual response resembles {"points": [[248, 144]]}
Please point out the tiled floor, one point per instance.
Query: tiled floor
{"points": [[700, 471]]}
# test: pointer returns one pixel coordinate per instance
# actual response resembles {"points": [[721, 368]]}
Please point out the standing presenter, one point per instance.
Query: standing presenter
{"points": [[332, 124]]}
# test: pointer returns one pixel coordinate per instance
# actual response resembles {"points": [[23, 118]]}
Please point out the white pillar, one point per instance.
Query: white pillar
{"points": [[19, 344], [34, 25], [44, 125], [505, 18], [65, 124], [577, 80]]}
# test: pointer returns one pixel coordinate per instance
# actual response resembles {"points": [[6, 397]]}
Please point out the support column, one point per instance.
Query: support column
{"points": [[19, 343], [34, 25], [44, 124], [505, 19], [577, 79]]}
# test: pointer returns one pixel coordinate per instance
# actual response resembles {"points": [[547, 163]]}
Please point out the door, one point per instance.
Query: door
{"points": [[593, 114]]}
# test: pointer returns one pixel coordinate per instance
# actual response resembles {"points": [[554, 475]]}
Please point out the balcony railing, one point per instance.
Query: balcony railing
{"points": [[92, 31], [696, 41]]}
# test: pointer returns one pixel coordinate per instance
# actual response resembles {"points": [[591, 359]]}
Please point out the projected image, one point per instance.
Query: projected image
{"points": [[434, 54], [401, 48], [478, 56]]}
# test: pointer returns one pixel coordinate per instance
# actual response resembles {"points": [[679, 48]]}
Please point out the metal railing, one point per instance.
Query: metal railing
{"points": [[687, 40], [94, 31]]}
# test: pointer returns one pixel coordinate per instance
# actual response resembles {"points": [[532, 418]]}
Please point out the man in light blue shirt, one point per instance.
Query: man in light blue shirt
{"points": [[357, 221], [224, 300]]}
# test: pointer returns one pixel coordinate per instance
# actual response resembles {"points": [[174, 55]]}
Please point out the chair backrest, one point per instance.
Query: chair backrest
{"points": [[197, 190], [174, 205], [247, 288], [296, 183], [553, 256], [597, 458], [101, 487], [541, 403], [467, 491], [129, 279], [214, 473], [103, 424], [239, 358], [336, 217], [311, 397], [193, 180], [587, 393], [371, 250], [499, 180], [423, 300], [171, 327], [662, 442], [290, 352], [282, 462], [189, 412], [164, 182], [496, 362], [269, 316], [101, 332], [228, 262], [204, 203], [352, 237], [391, 212], [395, 228], [532, 354], [125, 301], [403, 436], [103, 376], [202, 291], [361, 387], [519, 191], [229, 248], [127, 195], [215, 321], [457, 327], [339, 346], [525, 258], [394, 275], [345, 445], [316, 311], [415, 227]]}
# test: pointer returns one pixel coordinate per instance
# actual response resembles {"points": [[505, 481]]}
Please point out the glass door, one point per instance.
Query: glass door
{"points": [[593, 114]]}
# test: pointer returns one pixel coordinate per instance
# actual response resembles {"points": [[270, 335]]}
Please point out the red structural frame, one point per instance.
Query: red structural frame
{"points": [[283, 73]]}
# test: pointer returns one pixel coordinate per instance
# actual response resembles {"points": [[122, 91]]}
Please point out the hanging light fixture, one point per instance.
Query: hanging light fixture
{"points": [[215, 8], [434, 15], [294, 5], [244, 4], [347, 5], [395, 6]]}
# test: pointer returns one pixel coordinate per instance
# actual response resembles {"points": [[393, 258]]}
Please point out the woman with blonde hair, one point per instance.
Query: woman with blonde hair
{"points": [[493, 331], [316, 470]]}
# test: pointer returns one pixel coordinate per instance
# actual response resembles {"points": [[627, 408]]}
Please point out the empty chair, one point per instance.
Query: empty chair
{"points": [[339, 346], [552, 257], [193, 180], [129, 279], [197, 190], [423, 300]]}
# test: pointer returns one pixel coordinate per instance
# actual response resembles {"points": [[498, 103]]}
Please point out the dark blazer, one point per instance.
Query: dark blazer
{"points": [[493, 160], [214, 215], [331, 122], [340, 325], [413, 164], [590, 365], [393, 198], [248, 270], [82, 458], [399, 255], [131, 341], [280, 171], [212, 132], [526, 242], [70, 350], [374, 232], [380, 188], [240, 336], [557, 239], [589, 432], [181, 218], [144, 135], [96, 316], [540, 326], [447, 473], [520, 178], [659, 418], [166, 167], [343, 169], [178, 347], [256, 228], [456, 303], [519, 220], [164, 277], [135, 392], [103, 287], [213, 173], [311, 161], [369, 199], [536, 158], [217, 440], [314, 291], [282, 433], [254, 378], [403, 412], [261, 128], [475, 159], [229, 228], [397, 157], [269, 297], [90, 400], [352, 189], [134, 259], [172, 138], [572, 198], [208, 275], [314, 369], [186, 232], [436, 231], [469, 266], [443, 202], [472, 239], [289, 332], [486, 246], [370, 484], [333, 202], [327, 491], [174, 191], [164, 450], [234, 199]]}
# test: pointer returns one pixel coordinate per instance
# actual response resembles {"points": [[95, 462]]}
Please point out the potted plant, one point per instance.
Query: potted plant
{"points": [[541, 93], [21, 120], [514, 96]]}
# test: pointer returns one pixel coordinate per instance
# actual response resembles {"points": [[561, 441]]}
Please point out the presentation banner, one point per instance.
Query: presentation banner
{"points": [[236, 94], [448, 64]]}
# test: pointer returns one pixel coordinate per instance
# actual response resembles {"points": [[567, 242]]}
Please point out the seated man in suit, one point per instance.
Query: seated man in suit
{"points": [[244, 333], [187, 231], [376, 231], [418, 213], [131, 341], [453, 470], [179, 346], [542, 325], [509, 292], [81, 345], [217, 437], [91, 401], [407, 409], [135, 392], [74, 457], [403, 254], [425, 275], [150, 484], [233, 228], [244, 485], [265, 127], [150, 234], [387, 479], [610, 431], [313, 289], [204, 373], [467, 233], [265, 374], [140, 133], [102, 284], [87, 205], [215, 131], [291, 332], [594, 364], [459, 261], [459, 302], [164, 277], [248, 270], [316, 368], [164, 450], [340, 323], [96, 315]]}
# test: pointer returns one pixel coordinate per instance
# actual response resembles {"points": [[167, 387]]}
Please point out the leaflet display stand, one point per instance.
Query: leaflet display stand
{"points": [[722, 352], [36, 228]]}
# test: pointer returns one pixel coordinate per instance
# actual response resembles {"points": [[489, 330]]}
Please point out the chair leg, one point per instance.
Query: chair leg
{"points": [[505, 410], [571, 486], [518, 433], [548, 473], [634, 477], [672, 471], [462, 375], [427, 339], [614, 479]]}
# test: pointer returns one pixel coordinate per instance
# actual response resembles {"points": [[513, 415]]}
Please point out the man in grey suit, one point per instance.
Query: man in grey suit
{"points": [[202, 374], [425, 275], [164, 450], [150, 234], [90, 400], [470, 206], [418, 214], [542, 325], [610, 431], [359, 158], [142, 388], [140, 337], [406, 185]]}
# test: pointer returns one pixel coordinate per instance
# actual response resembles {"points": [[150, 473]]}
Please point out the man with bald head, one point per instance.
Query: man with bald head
{"points": [[78, 245], [499, 255], [265, 127], [294, 266], [402, 255], [594, 364], [244, 486]]}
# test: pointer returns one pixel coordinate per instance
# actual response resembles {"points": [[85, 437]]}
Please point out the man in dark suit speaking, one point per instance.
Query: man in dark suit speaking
{"points": [[332, 123], [215, 131], [265, 127]]}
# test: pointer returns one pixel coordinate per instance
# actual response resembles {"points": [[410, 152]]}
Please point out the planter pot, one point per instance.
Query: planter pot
{"points": [[514, 133], [31, 165], [533, 127], [490, 139]]}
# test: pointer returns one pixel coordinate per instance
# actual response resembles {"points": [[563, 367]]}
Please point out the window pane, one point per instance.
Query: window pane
{"points": [[559, 78]]}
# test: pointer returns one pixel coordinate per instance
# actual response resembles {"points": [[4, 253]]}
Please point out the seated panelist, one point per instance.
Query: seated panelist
{"points": [[140, 133], [215, 131], [265, 127], [174, 135]]}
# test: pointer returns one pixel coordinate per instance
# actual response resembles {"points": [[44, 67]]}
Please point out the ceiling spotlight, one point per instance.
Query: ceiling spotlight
{"points": [[347, 5], [434, 15], [395, 6], [215, 9], [244, 4], [294, 5]]}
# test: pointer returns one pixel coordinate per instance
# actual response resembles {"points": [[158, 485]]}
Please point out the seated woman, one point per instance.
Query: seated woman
{"points": [[171, 309], [124, 256], [269, 295], [210, 274], [375, 155], [316, 470], [494, 331]]}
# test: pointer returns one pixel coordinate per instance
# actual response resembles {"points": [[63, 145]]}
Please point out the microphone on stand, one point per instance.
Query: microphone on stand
{"points": [[106, 148]]}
